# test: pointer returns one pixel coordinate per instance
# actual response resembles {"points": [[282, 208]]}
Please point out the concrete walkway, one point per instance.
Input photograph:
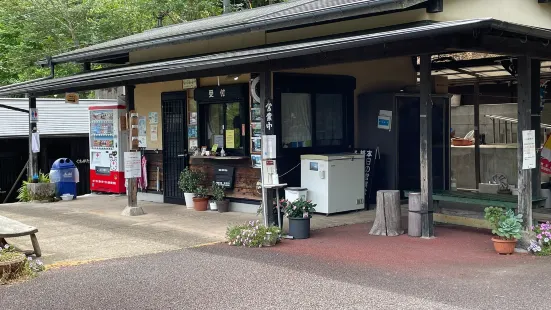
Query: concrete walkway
{"points": [[91, 227]]}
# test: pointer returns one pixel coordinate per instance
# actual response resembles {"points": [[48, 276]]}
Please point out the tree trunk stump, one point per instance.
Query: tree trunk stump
{"points": [[414, 216], [388, 221]]}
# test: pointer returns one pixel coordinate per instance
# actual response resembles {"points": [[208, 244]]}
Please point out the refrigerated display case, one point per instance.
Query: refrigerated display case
{"points": [[107, 146]]}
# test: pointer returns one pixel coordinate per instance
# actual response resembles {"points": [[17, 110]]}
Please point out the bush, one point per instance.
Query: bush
{"points": [[542, 245], [217, 191], [189, 180], [299, 208], [23, 193], [253, 235], [201, 192], [29, 269]]}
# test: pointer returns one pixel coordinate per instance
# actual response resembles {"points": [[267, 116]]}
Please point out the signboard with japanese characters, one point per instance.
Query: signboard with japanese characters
{"points": [[269, 117], [220, 93], [372, 158], [224, 175]]}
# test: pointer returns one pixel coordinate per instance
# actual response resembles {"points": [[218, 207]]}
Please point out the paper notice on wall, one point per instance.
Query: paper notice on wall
{"points": [[219, 139], [269, 147], [528, 149], [35, 142], [230, 139], [153, 118], [132, 165], [153, 132], [142, 131]]}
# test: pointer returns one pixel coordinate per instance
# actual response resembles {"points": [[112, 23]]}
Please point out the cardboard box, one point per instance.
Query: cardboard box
{"points": [[439, 84]]}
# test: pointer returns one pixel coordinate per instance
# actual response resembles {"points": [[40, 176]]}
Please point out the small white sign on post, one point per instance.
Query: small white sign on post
{"points": [[189, 83], [132, 165], [528, 149], [269, 147], [34, 115]]}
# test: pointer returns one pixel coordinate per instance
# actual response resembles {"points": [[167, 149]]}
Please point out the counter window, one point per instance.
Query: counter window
{"points": [[224, 125]]}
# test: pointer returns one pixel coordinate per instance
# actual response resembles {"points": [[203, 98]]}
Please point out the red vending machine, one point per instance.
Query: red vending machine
{"points": [[107, 146]]}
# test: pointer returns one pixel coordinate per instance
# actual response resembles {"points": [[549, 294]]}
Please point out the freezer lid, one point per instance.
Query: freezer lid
{"points": [[329, 157]]}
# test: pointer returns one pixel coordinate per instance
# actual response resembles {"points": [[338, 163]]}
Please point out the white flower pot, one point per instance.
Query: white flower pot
{"points": [[189, 200], [213, 206]]}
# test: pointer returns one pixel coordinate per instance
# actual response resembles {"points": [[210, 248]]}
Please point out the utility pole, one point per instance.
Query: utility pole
{"points": [[32, 168], [132, 208]]}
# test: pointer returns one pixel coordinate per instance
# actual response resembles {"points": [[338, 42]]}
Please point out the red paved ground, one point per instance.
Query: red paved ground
{"points": [[453, 247]]}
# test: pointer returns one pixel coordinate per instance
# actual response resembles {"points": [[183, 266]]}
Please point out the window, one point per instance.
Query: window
{"points": [[296, 120], [223, 122], [329, 120], [297, 112]]}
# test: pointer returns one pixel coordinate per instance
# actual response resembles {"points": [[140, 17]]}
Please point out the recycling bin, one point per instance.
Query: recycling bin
{"points": [[65, 175]]}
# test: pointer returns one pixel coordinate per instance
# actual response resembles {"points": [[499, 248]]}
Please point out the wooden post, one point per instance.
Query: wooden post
{"points": [[427, 224], [32, 168], [525, 80], [414, 215], [477, 132], [536, 125], [388, 216], [132, 208], [266, 98]]}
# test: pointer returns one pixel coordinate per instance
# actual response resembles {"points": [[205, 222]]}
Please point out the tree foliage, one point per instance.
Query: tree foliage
{"points": [[31, 30]]}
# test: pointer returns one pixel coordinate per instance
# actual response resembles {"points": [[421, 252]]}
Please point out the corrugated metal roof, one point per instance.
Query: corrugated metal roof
{"points": [[268, 17], [55, 117]]}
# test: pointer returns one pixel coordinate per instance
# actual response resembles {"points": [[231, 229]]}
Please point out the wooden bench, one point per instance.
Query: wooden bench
{"points": [[494, 200], [10, 229]]}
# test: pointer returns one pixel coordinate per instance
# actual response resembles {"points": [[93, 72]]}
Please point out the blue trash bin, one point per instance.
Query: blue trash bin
{"points": [[64, 174]]}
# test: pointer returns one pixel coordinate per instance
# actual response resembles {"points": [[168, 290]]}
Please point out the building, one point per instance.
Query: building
{"points": [[63, 130], [214, 81]]}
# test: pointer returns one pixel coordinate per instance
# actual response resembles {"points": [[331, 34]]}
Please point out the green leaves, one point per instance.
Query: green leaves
{"points": [[505, 224]]}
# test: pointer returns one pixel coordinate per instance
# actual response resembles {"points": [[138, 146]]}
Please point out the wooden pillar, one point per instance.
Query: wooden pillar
{"points": [[32, 168], [132, 208], [525, 80], [427, 224], [476, 95], [536, 125], [266, 100]]}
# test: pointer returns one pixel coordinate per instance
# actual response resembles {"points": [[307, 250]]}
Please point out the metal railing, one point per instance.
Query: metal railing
{"points": [[509, 135]]}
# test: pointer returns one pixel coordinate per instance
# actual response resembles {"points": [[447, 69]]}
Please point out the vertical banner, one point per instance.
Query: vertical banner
{"points": [[372, 158]]}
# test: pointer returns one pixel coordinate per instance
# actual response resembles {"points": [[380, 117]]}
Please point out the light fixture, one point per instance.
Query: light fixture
{"points": [[235, 77]]}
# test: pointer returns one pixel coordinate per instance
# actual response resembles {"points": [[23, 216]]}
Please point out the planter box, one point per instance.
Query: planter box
{"points": [[41, 191]]}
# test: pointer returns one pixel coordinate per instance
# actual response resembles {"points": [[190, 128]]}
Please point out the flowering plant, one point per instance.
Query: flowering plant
{"points": [[29, 269], [299, 208], [253, 235], [542, 244]]}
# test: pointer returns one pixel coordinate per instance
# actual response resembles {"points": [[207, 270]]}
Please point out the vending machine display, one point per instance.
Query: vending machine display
{"points": [[107, 145]]}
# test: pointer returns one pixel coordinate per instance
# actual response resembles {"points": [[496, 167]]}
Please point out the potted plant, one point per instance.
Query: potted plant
{"points": [[201, 199], [222, 205], [299, 213], [188, 182], [507, 226]]}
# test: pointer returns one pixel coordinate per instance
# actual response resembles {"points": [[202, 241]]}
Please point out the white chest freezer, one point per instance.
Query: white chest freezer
{"points": [[335, 182]]}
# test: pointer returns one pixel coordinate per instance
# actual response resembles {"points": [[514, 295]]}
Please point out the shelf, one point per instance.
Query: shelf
{"points": [[96, 121], [220, 157], [101, 135]]}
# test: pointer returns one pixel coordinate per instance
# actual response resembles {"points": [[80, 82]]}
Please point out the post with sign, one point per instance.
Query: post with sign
{"points": [[34, 141], [267, 151], [132, 159]]}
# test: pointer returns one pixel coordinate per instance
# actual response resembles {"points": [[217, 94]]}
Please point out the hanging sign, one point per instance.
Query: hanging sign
{"points": [[269, 117], [71, 98], [528, 149], [33, 112], [224, 176], [189, 83], [132, 165]]}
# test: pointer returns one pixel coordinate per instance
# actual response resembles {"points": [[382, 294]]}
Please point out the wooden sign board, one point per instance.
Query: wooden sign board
{"points": [[71, 98], [189, 84]]}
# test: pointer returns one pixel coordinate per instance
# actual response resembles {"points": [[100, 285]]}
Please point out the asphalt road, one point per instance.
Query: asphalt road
{"points": [[224, 277]]}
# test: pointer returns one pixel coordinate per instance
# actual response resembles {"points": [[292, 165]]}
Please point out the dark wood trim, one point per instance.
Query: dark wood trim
{"points": [[535, 122], [476, 95], [427, 224], [435, 6]]}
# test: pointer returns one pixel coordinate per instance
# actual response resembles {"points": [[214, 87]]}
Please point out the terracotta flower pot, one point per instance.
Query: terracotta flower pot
{"points": [[504, 246], [200, 204]]}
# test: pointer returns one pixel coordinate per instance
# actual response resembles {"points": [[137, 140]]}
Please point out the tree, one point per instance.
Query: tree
{"points": [[31, 30]]}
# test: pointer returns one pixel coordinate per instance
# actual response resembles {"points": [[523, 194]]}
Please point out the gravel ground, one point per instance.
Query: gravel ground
{"points": [[224, 277]]}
